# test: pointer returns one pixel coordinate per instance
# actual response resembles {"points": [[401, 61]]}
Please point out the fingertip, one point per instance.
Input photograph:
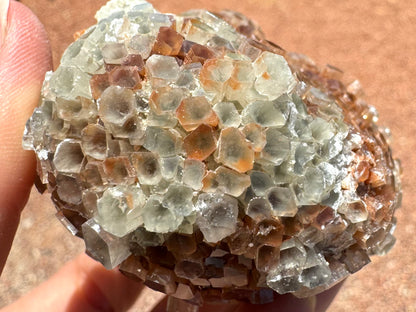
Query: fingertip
{"points": [[25, 57]]}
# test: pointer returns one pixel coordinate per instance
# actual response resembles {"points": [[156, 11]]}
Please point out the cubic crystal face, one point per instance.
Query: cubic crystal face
{"points": [[210, 163]]}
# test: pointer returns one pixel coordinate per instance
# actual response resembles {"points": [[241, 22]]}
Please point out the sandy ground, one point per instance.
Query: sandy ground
{"points": [[374, 40]]}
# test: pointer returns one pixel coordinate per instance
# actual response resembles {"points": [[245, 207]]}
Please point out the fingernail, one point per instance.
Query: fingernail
{"points": [[4, 11]]}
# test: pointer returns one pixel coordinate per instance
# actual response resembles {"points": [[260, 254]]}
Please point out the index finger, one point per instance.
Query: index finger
{"points": [[25, 57]]}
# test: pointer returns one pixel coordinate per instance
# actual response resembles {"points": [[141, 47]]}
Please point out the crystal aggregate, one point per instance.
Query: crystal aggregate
{"points": [[197, 156]]}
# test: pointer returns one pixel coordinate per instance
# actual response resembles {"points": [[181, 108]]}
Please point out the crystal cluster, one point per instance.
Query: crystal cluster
{"points": [[210, 163]]}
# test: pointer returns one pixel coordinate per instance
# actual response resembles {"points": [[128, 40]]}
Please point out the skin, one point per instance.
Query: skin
{"points": [[82, 284]]}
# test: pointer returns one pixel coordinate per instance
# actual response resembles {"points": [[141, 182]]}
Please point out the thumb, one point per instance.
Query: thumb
{"points": [[24, 58]]}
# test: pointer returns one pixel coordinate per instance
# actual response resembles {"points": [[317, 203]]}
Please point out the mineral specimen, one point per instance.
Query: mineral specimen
{"points": [[197, 156]]}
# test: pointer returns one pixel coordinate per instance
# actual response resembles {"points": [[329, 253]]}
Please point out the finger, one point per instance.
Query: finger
{"points": [[282, 303], [25, 57], [81, 285]]}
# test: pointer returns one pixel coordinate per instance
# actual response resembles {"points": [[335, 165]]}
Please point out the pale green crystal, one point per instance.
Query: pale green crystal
{"points": [[158, 218], [274, 76], [120, 209], [228, 114]]}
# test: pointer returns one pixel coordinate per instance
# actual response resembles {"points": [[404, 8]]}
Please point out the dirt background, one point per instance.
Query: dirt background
{"points": [[374, 40]]}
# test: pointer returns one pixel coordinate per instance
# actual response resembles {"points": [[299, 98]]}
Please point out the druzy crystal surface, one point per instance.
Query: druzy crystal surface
{"points": [[197, 156]]}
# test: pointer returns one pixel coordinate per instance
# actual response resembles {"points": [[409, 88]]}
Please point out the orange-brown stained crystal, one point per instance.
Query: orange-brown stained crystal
{"points": [[168, 42], [98, 84], [198, 53], [214, 75], [118, 170], [125, 76], [195, 111], [200, 143], [165, 99], [234, 151]]}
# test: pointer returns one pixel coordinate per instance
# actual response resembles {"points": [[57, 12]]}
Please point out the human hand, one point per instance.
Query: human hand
{"points": [[82, 284]]}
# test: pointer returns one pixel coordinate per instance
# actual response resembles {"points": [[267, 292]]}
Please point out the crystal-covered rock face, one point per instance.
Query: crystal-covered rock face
{"points": [[211, 163]]}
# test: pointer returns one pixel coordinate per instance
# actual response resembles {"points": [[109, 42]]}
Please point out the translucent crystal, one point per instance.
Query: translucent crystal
{"points": [[161, 279], [94, 142], [79, 108], [189, 268], [285, 277], [256, 135], [68, 156], [113, 53], [132, 266], [118, 170], [158, 218], [147, 167], [213, 76], [277, 146], [195, 111], [227, 114], [200, 143], [313, 186], [193, 173], [168, 42], [197, 53], [217, 215], [316, 271], [170, 167], [231, 182], [104, 247], [146, 239], [265, 114], [282, 200], [178, 198], [234, 151], [355, 212], [120, 208], [274, 76], [166, 99], [162, 67], [259, 209], [125, 77], [260, 182], [70, 82], [166, 143], [117, 105]]}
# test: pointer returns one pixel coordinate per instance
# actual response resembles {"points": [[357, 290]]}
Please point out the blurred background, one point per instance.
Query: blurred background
{"points": [[373, 41]]}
